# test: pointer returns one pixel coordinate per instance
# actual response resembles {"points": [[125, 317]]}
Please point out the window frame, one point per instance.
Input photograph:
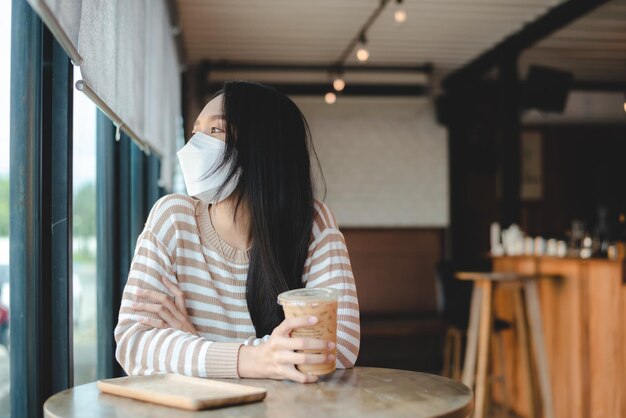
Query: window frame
{"points": [[126, 188], [41, 357]]}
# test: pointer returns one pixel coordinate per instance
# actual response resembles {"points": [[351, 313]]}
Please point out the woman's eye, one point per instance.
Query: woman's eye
{"points": [[215, 130]]}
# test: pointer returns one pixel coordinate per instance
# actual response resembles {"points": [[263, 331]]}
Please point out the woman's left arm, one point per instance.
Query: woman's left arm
{"points": [[171, 310], [328, 265]]}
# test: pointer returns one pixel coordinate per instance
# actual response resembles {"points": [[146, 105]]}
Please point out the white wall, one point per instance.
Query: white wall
{"points": [[385, 160]]}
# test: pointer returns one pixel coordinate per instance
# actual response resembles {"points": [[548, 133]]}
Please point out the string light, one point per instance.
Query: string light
{"points": [[330, 97], [400, 14], [339, 84], [362, 54]]}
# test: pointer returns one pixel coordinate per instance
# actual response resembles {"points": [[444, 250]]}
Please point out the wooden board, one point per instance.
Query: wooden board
{"points": [[583, 319], [183, 392], [605, 327], [405, 258]]}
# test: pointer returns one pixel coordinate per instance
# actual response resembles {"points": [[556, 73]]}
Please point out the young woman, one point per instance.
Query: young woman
{"points": [[201, 293]]}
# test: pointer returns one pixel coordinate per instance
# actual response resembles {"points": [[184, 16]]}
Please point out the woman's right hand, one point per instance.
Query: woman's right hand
{"points": [[276, 359]]}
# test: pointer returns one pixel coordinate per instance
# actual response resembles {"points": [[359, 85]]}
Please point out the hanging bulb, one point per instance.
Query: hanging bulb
{"points": [[330, 97], [339, 84], [362, 54], [400, 14]]}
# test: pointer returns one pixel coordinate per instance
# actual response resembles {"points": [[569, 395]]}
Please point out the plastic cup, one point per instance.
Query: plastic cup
{"points": [[321, 303]]}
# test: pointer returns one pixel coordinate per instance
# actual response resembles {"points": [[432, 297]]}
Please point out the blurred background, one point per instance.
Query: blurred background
{"points": [[432, 120]]}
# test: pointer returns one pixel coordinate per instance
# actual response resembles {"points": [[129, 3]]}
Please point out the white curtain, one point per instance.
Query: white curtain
{"points": [[63, 19], [129, 64]]}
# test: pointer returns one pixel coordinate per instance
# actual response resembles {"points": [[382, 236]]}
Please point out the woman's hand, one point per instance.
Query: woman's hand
{"points": [[172, 311], [276, 359]]}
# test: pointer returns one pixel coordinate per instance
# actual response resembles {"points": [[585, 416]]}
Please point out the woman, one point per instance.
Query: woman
{"points": [[201, 293]]}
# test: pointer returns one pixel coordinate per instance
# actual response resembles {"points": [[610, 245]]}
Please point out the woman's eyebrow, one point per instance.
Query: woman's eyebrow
{"points": [[216, 117]]}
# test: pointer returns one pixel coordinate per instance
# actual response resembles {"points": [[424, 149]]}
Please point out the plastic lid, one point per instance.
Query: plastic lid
{"points": [[306, 296]]}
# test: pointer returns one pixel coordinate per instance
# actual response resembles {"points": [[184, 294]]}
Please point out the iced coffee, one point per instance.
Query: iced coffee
{"points": [[321, 303]]}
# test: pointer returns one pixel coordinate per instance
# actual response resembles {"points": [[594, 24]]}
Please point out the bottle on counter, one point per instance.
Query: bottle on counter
{"points": [[540, 246], [495, 241]]}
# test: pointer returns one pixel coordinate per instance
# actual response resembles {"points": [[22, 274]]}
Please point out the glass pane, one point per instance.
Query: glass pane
{"points": [[5, 99], [84, 254]]}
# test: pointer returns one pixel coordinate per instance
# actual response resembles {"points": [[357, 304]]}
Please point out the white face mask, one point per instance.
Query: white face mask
{"points": [[198, 159]]}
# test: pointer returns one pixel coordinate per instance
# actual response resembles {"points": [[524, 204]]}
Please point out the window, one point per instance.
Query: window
{"points": [[5, 98], [60, 201], [84, 237]]}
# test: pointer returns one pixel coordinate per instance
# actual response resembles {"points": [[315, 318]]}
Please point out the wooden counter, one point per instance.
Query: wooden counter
{"points": [[584, 320]]}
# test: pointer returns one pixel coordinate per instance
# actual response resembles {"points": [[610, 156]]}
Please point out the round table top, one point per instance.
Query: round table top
{"points": [[358, 392]]}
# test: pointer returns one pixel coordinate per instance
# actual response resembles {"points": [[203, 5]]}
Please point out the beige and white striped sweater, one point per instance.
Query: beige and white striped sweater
{"points": [[179, 244]]}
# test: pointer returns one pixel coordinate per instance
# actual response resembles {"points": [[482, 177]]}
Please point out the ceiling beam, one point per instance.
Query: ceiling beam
{"points": [[426, 68], [351, 89], [556, 18]]}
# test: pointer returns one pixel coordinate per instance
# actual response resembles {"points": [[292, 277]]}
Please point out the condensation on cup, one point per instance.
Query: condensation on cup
{"points": [[321, 303]]}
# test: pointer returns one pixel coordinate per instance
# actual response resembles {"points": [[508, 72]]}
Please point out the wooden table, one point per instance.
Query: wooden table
{"points": [[358, 392]]}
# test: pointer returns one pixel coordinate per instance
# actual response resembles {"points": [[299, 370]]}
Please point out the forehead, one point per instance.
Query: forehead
{"points": [[213, 108]]}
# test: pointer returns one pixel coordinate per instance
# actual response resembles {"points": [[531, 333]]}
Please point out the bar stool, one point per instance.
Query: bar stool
{"points": [[454, 301], [480, 329]]}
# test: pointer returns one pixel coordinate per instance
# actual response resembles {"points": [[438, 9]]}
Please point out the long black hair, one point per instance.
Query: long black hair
{"points": [[268, 142]]}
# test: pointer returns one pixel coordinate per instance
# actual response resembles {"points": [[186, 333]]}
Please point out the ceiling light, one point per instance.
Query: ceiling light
{"points": [[362, 54], [330, 97], [400, 14], [339, 84]]}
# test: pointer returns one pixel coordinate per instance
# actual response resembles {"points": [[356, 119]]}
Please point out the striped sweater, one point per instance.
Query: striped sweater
{"points": [[180, 244]]}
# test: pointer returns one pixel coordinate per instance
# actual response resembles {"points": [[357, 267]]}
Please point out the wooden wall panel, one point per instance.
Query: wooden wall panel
{"points": [[569, 192], [395, 269]]}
